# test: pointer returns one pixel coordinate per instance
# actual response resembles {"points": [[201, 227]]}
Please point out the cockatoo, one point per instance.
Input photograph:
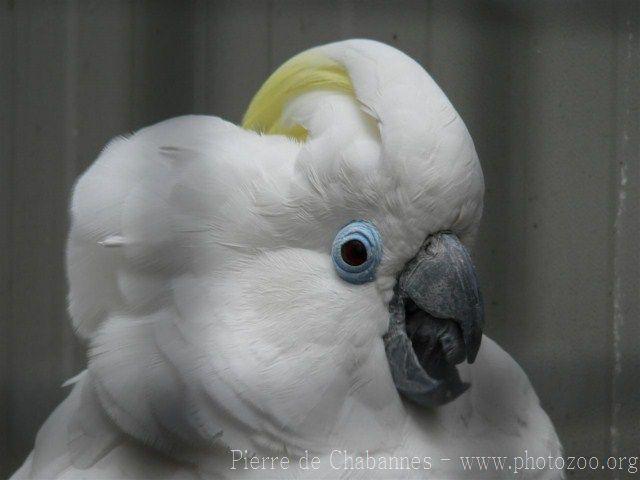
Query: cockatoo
{"points": [[290, 298]]}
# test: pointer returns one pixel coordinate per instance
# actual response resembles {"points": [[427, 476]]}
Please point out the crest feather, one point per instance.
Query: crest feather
{"points": [[305, 72]]}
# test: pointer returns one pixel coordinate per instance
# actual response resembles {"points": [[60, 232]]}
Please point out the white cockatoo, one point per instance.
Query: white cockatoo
{"points": [[291, 298]]}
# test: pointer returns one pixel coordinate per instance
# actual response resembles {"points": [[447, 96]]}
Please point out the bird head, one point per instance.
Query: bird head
{"points": [[388, 184], [294, 273]]}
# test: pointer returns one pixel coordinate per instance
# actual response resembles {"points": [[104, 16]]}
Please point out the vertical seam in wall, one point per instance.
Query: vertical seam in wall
{"points": [[71, 136], [270, 46], [8, 258], [429, 34], [132, 67], [622, 66], [521, 33], [71, 91], [206, 68], [617, 318], [526, 174], [345, 17], [23, 18]]}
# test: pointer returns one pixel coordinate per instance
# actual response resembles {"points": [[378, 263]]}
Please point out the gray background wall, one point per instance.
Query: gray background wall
{"points": [[549, 91]]}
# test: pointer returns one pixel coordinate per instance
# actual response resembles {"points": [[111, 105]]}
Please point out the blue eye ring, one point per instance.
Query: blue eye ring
{"points": [[361, 234]]}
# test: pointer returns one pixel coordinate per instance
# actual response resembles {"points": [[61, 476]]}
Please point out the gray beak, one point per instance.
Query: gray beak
{"points": [[436, 321]]}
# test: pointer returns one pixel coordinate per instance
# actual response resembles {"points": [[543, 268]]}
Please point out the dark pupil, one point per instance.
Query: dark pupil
{"points": [[354, 252]]}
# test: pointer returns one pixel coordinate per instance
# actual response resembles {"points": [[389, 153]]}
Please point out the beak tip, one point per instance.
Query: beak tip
{"points": [[472, 356], [474, 342]]}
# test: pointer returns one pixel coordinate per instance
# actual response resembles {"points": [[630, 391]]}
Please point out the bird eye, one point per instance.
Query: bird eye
{"points": [[356, 252]]}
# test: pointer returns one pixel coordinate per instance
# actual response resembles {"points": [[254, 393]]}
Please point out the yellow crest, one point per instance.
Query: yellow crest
{"points": [[303, 73]]}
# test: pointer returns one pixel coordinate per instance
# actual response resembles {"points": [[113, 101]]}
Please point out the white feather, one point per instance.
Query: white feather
{"points": [[217, 322]]}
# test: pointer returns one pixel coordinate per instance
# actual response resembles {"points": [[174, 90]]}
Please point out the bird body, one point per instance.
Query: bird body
{"points": [[500, 416], [205, 273]]}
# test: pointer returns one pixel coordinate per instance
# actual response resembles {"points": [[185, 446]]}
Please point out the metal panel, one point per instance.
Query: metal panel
{"points": [[161, 61], [558, 196], [6, 168], [103, 78], [233, 55], [40, 347], [625, 398], [548, 90]]}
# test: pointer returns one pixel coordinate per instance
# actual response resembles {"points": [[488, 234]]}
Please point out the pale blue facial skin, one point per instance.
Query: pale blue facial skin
{"points": [[436, 315], [366, 233]]}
